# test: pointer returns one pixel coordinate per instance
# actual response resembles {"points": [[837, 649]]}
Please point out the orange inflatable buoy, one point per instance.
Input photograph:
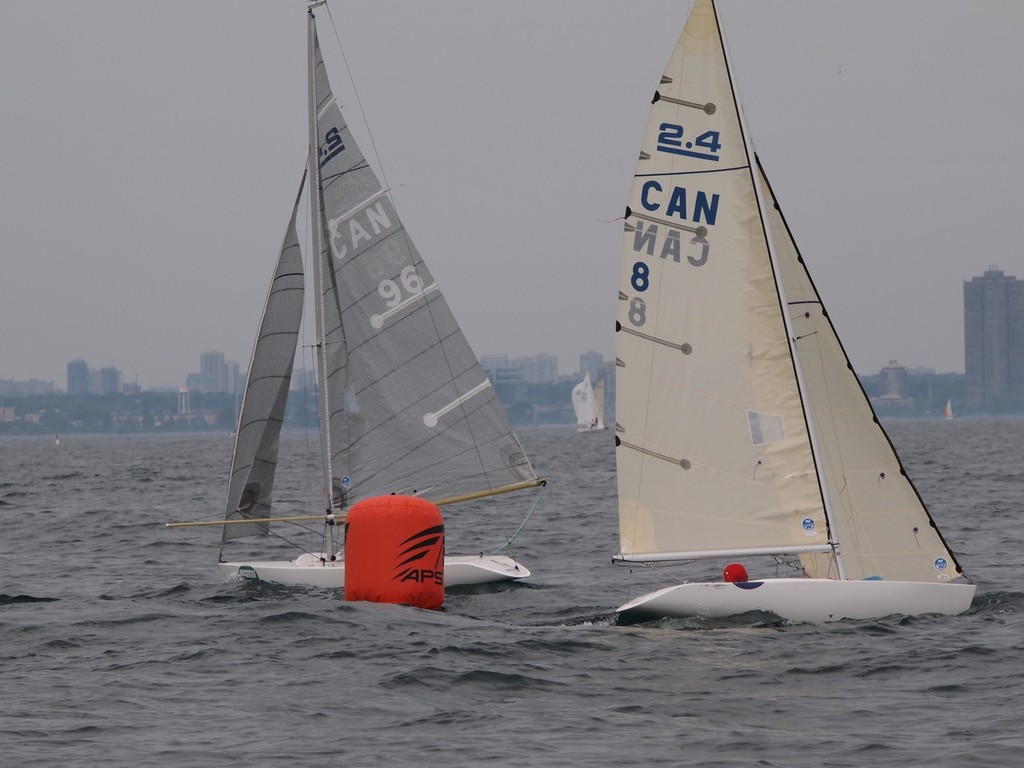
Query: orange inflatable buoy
{"points": [[394, 552]]}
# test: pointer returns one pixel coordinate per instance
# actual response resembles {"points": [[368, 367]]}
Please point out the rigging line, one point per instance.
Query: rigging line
{"points": [[355, 92], [310, 260], [298, 546], [306, 429], [508, 544]]}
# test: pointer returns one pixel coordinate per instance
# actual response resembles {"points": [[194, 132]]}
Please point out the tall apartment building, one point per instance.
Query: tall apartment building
{"points": [[591, 362], [213, 366], [994, 339], [110, 381], [538, 369], [216, 374], [78, 377]]}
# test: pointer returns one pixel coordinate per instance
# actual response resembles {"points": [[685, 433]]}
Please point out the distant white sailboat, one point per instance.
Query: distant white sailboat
{"points": [[599, 403], [405, 407], [588, 403], [948, 413], [742, 431]]}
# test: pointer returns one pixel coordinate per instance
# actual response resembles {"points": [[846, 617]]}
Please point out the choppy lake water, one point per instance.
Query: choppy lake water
{"points": [[121, 646]]}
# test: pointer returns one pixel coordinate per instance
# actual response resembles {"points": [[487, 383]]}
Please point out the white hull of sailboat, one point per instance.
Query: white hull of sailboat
{"points": [[599, 428], [465, 570], [807, 600]]}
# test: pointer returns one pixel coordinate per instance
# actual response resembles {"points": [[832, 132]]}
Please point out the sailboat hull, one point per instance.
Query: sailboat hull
{"points": [[459, 571], [807, 600]]}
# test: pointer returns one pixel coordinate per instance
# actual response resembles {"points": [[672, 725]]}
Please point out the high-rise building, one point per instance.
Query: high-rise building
{"points": [[539, 369], [894, 380], [78, 377], [994, 340], [492, 363], [591, 362], [213, 366], [110, 381]]}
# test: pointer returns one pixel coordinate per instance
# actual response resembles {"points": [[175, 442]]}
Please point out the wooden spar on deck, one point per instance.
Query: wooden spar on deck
{"points": [[540, 481], [337, 520], [295, 519]]}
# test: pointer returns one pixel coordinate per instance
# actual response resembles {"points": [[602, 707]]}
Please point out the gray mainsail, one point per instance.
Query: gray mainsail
{"points": [[408, 408], [254, 460]]}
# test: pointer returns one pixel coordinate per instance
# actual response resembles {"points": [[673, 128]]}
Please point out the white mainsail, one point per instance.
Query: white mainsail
{"points": [[713, 450], [741, 428], [584, 404]]}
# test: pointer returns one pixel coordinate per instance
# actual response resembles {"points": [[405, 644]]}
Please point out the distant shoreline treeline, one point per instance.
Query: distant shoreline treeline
{"points": [[924, 395]]}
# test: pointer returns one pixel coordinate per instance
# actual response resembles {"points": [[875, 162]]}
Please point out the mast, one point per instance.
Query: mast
{"points": [[316, 217], [790, 336]]}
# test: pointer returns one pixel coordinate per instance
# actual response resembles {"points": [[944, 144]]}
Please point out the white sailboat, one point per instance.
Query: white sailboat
{"points": [[948, 412], [589, 405], [599, 403], [742, 432], [403, 402]]}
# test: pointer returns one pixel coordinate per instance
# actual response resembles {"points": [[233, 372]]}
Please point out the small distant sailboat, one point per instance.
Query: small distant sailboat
{"points": [[741, 429], [588, 402], [56, 440], [948, 413]]}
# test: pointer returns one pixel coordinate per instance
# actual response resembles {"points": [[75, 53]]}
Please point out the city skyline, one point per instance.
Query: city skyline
{"points": [[173, 178], [536, 368]]}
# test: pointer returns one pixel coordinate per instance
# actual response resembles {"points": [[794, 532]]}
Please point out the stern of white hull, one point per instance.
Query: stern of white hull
{"points": [[806, 600]]}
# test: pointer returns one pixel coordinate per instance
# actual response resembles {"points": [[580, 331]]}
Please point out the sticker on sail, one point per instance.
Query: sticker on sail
{"points": [[941, 564], [808, 524], [765, 428], [332, 146]]}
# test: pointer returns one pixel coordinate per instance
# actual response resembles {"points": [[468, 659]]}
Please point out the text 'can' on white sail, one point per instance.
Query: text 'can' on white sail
{"points": [[741, 428]]}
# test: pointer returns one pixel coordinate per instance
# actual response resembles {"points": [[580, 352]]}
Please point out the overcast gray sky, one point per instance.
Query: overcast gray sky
{"points": [[150, 153]]}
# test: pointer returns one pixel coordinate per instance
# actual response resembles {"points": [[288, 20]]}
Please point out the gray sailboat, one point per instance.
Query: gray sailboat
{"points": [[404, 405]]}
